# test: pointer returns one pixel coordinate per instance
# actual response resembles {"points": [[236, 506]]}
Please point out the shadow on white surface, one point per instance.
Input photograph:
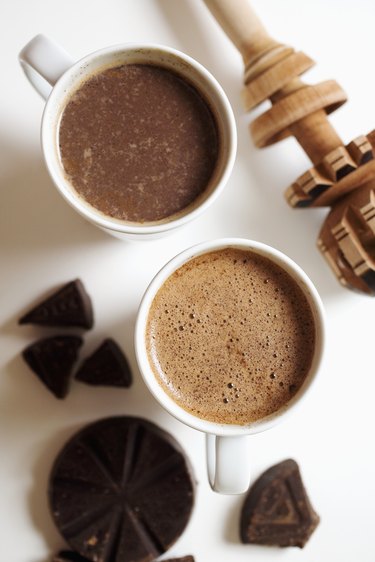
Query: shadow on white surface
{"points": [[35, 218], [232, 528]]}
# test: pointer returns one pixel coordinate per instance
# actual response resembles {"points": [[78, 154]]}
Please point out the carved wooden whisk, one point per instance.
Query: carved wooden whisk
{"points": [[342, 176]]}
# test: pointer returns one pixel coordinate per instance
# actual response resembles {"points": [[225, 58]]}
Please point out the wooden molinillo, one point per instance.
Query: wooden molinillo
{"points": [[342, 176]]}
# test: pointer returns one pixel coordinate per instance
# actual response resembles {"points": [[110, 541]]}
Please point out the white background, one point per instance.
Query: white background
{"points": [[43, 244]]}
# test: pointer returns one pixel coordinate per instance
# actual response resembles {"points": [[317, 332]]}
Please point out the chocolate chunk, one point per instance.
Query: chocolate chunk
{"points": [[277, 510], [70, 306], [183, 559], [121, 490], [69, 556], [107, 366], [52, 360]]}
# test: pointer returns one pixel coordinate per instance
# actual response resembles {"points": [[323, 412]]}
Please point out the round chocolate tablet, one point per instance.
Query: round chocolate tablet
{"points": [[121, 490]]}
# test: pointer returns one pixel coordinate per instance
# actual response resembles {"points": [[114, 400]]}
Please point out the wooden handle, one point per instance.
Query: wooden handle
{"points": [[342, 176], [242, 26]]}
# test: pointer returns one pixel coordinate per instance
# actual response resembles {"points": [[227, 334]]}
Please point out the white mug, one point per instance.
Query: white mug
{"points": [[227, 446], [55, 75]]}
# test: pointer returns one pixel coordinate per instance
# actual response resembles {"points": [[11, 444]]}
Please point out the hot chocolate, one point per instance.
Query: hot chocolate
{"points": [[139, 143], [230, 336]]}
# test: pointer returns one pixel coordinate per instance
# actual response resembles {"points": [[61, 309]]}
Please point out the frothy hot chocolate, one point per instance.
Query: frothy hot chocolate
{"points": [[230, 336]]}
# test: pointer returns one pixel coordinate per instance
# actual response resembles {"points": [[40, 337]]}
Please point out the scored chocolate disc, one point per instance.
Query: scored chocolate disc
{"points": [[121, 490], [69, 556]]}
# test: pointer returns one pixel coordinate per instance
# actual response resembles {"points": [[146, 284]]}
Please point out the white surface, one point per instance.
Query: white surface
{"points": [[44, 243]]}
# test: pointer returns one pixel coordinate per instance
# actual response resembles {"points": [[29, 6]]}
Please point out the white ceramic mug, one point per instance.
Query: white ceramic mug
{"points": [[55, 75], [228, 451]]}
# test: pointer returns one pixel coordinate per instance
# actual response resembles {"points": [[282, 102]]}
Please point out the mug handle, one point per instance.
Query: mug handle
{"points": [[228, 463], [44, 61]]}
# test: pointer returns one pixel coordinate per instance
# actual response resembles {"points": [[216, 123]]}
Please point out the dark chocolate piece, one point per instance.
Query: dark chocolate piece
{"points": [[107, 366], [69, 556], [277, 510], [121, 490], [52, 360], [70, 306], [183, 559]]}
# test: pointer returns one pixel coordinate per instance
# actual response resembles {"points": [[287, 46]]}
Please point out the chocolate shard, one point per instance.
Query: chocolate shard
{"points": [[70, 306], [277, 510], [69, 556], [121, 490], [107, 366], [52, 360], [183, 559]]}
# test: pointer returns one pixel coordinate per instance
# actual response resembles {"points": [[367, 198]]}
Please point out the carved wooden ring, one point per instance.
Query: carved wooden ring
{"points": [[275, 78], [273, 125]]}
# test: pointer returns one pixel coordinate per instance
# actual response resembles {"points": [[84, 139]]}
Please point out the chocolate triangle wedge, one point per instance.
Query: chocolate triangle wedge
{"points": [[277, 510], [69, 306], [107, 366], [52, 360]]}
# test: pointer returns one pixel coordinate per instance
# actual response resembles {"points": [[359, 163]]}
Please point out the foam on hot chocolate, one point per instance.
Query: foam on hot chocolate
{"points": [[230, 336], [139, 143]]}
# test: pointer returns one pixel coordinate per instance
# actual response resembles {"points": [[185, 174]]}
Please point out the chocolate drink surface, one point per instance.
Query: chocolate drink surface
{"points": [[230, 336], [138, 143]]}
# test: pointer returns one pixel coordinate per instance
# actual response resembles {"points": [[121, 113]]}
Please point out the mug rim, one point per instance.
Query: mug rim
{"points": [[148, 375], [49, 142]]}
